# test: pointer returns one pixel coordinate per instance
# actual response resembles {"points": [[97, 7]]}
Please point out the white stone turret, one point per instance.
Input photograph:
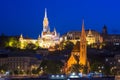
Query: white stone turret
{"points": [[45, 22], [55, 33], [21, 37]]}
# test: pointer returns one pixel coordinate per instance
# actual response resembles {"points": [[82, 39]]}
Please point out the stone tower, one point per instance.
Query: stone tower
{"points": [[45, 22], [83, 46], [79, 52], [21, 40], [104, 30]]}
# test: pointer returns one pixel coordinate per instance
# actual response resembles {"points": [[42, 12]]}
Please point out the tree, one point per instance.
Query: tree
{"points": [[85, 69], [3, 40], [95, 65], [69, 45], [107, 70], [12, 42], [51, 66], [35, 71], [16, 72], [4, 67], [30, 46]]}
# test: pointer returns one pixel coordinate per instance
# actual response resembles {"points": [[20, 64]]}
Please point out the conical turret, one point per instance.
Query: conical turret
{"points": [[55, 33], [39, 37], [21, 37]]}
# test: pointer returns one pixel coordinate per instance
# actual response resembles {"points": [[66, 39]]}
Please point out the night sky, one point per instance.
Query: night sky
{"points": [[26, 16]]}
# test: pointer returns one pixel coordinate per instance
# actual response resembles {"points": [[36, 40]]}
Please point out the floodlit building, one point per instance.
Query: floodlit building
{"points": [[48, 39], [79, 53], [19, 61], [110, 38], [92, 36]]}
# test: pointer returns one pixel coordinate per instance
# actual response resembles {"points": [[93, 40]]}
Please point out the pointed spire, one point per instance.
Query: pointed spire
{"points": [[45, 22], [54, 29], [83, 46], [83, 35], [55, 32], [21, 36], [45, 12], [83, 25], [39, 36], [89, 32]]}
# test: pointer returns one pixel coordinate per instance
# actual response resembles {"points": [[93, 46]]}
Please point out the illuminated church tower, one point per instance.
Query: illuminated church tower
{"points": [[45, 22], [79, 53], [21, 39], [46, 40], [83, 46]]}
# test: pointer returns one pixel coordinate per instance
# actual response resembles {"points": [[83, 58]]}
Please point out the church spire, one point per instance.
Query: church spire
{"points": [[45, 22], [21, 36], [45, 12], [83, 35], [82, 24], [55, 33], [39, 36], [89, 32], [54, 30], [83, 46]]}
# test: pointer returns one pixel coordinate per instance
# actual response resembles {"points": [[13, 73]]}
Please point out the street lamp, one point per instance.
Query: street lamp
{"points": [[18, 69], [100, 68]]}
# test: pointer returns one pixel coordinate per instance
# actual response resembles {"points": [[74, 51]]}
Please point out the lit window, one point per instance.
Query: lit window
{"points": [[119, 60], [106, 60], [110, 62]]}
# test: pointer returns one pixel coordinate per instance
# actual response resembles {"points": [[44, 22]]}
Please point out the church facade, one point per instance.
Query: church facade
{"points": [[78, 54], [46, 40]]}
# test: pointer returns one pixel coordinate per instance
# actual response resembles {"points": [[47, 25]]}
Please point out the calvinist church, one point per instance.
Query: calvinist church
{"points": [[78, 54], [48, 39]]}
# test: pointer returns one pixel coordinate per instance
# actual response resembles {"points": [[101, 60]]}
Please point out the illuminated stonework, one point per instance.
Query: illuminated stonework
{"points": [[90, 38], [81, 54], [83, 47], [45, 22], [48, 39]]}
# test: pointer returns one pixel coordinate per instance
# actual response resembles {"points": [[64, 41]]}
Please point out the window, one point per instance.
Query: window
{"points": [[119, 60], [106, 60]]}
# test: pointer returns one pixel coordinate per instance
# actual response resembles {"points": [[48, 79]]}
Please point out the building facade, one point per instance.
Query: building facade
{"points": [[48, 39], [110, 38], [19, 61], [83, 47], [79, 53], [92, 36]]}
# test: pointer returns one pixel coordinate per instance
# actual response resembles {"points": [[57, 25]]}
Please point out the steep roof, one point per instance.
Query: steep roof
{"points": [[76, 48]]}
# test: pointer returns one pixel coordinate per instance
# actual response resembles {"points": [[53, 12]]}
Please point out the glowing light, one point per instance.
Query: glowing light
{"points": [[53, 76], [57, 76], [62, 75], [73, 74]]}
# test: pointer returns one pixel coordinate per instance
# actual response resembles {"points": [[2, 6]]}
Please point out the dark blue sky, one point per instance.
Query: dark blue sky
{"points": [[26, 16]]}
